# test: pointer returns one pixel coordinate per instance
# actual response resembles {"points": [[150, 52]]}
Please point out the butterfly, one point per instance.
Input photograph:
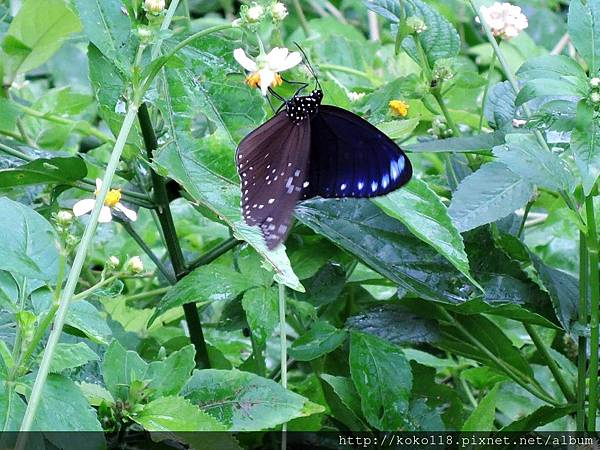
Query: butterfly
{"points": [[309, 149]]}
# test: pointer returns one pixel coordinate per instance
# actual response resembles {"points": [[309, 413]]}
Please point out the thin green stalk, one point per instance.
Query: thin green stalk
{"points": [[146, 294], [581, 340], [214, 253], [486, 89], [594, 288], [283, 345], [550, 362], [165, 26], [348, 70], [165, 218], [170, 277], [440, 101], [69, 289], [301, 17], [16, 153], [524, 219]]}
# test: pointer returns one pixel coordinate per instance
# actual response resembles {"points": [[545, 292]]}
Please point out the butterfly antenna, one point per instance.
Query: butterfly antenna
{"points": [[308, 65]]}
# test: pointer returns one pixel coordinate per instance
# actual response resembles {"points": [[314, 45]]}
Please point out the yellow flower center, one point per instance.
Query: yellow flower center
{"points": [[399, 107], [277, 81], [112, 198], [253, 80]]}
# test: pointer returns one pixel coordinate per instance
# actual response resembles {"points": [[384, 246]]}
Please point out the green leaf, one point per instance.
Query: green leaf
{"points": [[386, 246], [478, 142], [439, 41], [43, 171], [35, 34], [423, 213], [398, 129], [262, 312], [84, 316], [482, 417], [12, 408], [244, 401], [109, 29], [523, 154], [556, 67], [540, 417], [32, 249], [168, 376], [584, 31], [120, 367], [499, 108], [383, 379], [491, 193], [389, 9], [320, 339], [547, 87], [209, 175], [68, 356], [585, 145], [9, 292], [344, 401], [206, 284], [175, 414]]}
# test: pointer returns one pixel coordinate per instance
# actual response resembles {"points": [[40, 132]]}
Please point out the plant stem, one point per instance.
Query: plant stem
{"points": [[440, 101], [146, 294], [594, 287], [525, 214], [214, 253], [486, 89], [301, 17], [541, 347], [581, 340], [16, 153], [69, 289], [148, 251], [348, 70], [165, 218], [283, 344]]}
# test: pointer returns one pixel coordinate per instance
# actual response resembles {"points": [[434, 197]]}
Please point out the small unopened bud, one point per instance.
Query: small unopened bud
{"points": [[595, 82], [355, 96], [255, 13], [154, 6], [135, 264], [113, 262], [279, 11], [595, 97], [416, 24], [144, 33], [64, 217]]}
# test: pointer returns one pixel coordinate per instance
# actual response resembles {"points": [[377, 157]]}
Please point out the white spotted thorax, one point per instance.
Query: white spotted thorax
{"points": [[303, 107]]}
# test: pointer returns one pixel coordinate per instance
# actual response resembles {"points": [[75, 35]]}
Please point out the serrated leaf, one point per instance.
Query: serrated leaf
{"points": [[585, 145], [523, 154], [499, 107], [584, 31], [390, 9], [547, 87], [553, 67], [489, 194], [423, 213]]}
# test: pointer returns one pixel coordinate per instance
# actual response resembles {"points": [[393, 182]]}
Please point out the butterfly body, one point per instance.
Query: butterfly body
{"points": [[308, 150]]}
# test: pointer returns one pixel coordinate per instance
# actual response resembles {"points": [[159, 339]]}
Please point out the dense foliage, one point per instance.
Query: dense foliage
{"points": [[467, 300]]}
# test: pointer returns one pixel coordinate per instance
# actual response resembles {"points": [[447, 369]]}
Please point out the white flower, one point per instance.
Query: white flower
{"points": [[518, 123], [505, 20], [154, 6], [595, 97], [112, 201], [255, 13], [595, 82], [113, 262], [265, 70], [135, 264], [64, 217], [278, 11], [355, 96]]}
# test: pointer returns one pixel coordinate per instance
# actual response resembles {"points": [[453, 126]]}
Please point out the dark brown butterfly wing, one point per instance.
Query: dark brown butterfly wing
{"points": [[272, 162]]}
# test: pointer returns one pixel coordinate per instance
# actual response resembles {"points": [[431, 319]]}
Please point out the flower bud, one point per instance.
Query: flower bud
{"points": [[416, 24], [278, 11], [355, 96], [113, 262], [255, 13], [595, 82], [154, 6], [144, 33], [64, 217], [135, 265], [595, 97]]}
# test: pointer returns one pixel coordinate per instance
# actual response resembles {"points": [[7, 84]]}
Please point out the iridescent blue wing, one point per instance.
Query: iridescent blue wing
{"points": [[272, 162], [349, 157]]}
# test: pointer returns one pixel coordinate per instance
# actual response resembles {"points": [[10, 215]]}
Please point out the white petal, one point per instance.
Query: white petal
{"points": [[130, 213], [98, 184], [293, 59], [266, 78], [83, 206], [243, 60], [276, 58], [105, 215]]}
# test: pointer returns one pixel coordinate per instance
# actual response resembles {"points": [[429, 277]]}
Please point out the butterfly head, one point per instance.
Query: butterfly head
{"points": [[303, 107]]}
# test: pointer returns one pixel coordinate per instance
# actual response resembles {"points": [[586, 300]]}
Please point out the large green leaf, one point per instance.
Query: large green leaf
{"points": [[389, 9], [320, 339], [244, 401], [120, 367], [12, 408], [206, 284], [109, 29], [344, 401], [35, 34], [548, 87], [585, 145], [491, 193], [53, 170], [523, 154], [69, 356], [175, 414], [200, 157], [387, 246], [482, 417], [262, 312], [557, 67], [168, 376], [383, 379], [540, 417], [584, 31], [423, 213], [31, 246]]}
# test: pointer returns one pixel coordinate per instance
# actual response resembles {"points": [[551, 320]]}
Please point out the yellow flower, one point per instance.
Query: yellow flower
{"points": [[399, 107]]}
